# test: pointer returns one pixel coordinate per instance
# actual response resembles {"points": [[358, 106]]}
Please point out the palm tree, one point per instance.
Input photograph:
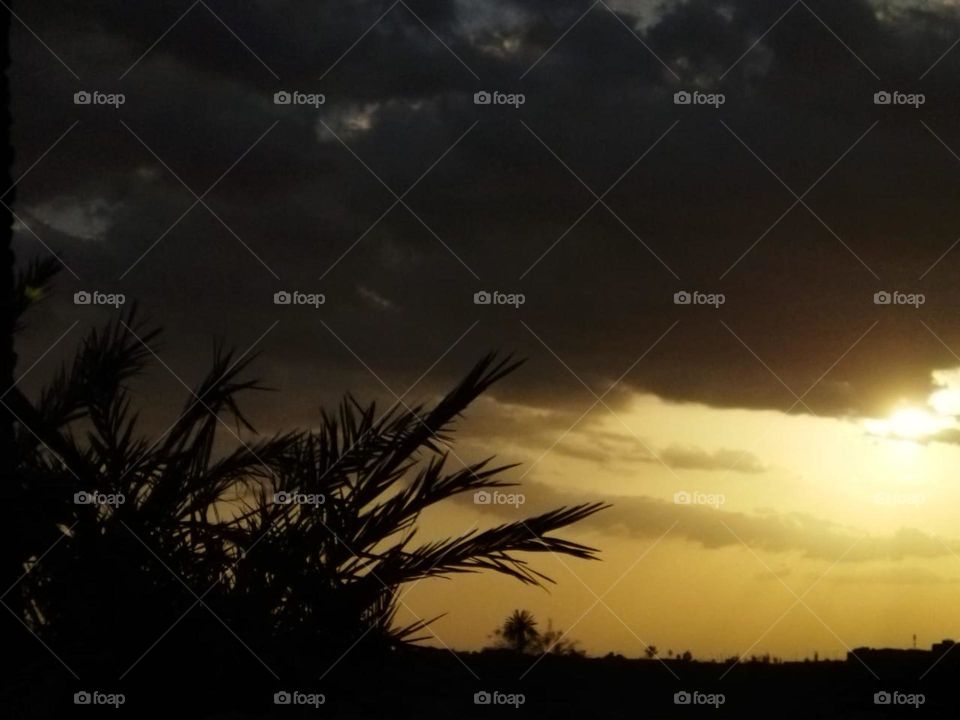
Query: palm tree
{"points": [[377, 476], [81, 435], [519, 631], [299, 581]]}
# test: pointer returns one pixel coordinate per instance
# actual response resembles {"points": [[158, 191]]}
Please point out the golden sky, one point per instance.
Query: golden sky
{"points": [[853, 516]]}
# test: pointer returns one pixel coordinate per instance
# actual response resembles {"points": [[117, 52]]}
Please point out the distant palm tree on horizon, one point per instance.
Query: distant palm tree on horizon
{"points": [[519, 630]]}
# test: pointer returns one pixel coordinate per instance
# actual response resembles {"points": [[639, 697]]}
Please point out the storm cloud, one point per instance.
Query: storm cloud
{"points": [[598, 199]]}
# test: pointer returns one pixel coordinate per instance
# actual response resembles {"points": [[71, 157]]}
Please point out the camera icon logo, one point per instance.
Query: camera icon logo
{"points": [[882, 98], [682, 698], [82, 698], [83, 498], [282, 298], [82, 297], [481, 698], [681, 498], [282, 498], [682, 298], [482, 298], [282, 98], [482, 98], [682, 97], [482, 497], [882, 298], [82, 98], [282, 698], [882, 698]]}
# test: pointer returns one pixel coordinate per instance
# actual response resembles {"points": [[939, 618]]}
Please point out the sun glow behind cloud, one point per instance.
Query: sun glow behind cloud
{"points": [[919, 424], [910, 423]]}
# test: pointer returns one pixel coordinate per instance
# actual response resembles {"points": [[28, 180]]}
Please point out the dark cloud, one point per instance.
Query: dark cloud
{"points": [[712, 527], [575, 435], [299, 205], [692, 458], [626, 449], [897, 576]]}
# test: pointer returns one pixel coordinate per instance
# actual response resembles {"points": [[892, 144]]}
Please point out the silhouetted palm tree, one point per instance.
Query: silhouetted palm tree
{"points": [[519, 630], [116, 565], [298, 581], [377, 475]]}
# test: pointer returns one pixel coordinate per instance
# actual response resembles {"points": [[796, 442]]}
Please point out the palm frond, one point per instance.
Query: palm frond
{"points": [[329, 569]]}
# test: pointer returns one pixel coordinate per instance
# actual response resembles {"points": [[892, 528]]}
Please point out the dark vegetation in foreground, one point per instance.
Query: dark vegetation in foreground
{"points": [[154, 563], [427, 683]]}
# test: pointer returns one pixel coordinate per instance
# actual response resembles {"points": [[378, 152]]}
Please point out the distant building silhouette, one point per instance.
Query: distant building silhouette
{"points": [[941, 647], [902, 656]]}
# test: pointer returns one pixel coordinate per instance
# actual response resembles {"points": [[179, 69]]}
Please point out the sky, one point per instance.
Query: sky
{"points": [[779, 463]]}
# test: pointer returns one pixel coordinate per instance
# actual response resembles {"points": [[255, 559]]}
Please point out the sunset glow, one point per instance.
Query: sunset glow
{"points": [[910, 424], [433, 358]]}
